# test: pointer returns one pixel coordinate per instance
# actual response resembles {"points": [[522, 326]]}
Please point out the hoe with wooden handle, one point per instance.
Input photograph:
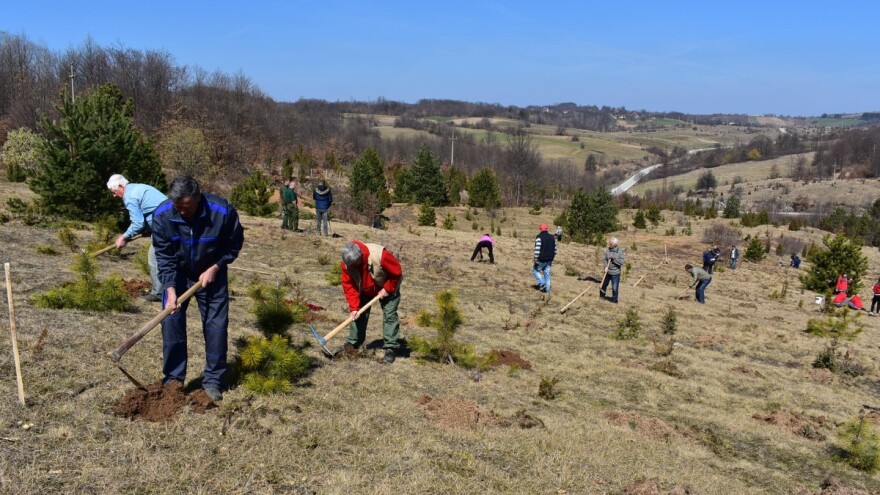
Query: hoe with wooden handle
{"points": [[111, 246], [564, 308], [116, 354], [323, 340]]}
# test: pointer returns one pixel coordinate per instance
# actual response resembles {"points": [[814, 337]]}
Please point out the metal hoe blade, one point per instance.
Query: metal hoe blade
{"points": [[321, 340]]}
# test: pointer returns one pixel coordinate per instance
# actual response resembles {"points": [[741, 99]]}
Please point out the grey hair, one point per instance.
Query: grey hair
{"points": [[115, 181], [614, 241], [183, 186], [351, 254]]}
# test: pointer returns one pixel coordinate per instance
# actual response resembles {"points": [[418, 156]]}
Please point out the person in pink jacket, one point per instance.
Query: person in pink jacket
{"points": [[485, 242]]}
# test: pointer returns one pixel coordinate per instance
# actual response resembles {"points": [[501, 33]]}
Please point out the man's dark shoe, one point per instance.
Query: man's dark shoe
{"points": [[537, 286], [389, 356], [543, 289], [152, 297], [214, 393]]}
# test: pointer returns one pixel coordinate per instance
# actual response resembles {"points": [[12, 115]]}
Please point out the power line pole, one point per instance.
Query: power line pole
{"points": [[452, 156], [72, 77]]}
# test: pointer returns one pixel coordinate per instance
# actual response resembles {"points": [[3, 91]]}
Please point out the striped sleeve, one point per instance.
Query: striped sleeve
{"points": [[537, 248]]}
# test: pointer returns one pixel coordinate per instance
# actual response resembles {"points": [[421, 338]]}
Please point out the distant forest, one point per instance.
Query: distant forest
{"points": [[247, 130]]}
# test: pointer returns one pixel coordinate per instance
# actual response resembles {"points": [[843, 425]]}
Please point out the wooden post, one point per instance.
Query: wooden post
{"points": [[13, 335]]}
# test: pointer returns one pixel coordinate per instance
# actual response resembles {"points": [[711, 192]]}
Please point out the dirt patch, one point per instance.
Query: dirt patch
{"points": [[821, 375], [160, 403], [712, 342], [797, 424], [745, 370], [652, 487], [136, 288], [652, 428], [502, 357], [349, 352], [462, 413], [833, 486]]}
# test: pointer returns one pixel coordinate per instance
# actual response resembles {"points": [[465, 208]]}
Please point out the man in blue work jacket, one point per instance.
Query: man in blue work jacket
{"points": [[141, 200], [196, 236]]}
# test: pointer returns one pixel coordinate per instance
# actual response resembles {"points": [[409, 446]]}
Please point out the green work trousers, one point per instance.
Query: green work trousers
{"points": [[357, 331], [290, 220]]}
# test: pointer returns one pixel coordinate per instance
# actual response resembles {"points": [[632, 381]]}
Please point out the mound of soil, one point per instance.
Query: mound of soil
{"points": [[652, 487], [652, 428], [502, 357], [833, 486], [798, 424], [136, 288], [745, 370], [456, 413], [160, 403]]}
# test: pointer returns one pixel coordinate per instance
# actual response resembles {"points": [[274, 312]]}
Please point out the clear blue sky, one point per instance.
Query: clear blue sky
{"points": [[786, 57]]}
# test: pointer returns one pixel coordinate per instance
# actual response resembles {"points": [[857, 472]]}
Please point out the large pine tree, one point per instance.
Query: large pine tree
{"points": [[590, 216], [93, 139], [423, 182], [483, 191], [367, 179]]}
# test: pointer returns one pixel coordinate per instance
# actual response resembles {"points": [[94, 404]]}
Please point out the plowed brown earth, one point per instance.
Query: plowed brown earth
{"points": [[508, 358], [160, 403]]}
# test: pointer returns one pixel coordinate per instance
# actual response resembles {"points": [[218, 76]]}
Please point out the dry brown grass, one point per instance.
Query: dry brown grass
{"points": [[356, 426]]}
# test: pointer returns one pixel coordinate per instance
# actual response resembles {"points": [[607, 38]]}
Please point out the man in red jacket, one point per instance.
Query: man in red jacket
{"points": [[370, 270]]}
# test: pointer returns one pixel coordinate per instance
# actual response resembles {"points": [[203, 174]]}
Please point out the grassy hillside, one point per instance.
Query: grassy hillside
{"points": [[736, 408]]}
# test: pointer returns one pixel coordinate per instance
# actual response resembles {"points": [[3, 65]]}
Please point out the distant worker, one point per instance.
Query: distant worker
{"points": [[875, 301], [734, 257], [795, 261], [701, 280], [710, 256], [545, 251], [370, 270], [289, 209], [558, 234], [323, 197], [614, 258], [842, 285], [485, 242], [141, 200]]}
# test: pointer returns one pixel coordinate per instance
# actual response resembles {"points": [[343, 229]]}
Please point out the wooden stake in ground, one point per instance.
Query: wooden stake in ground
{"points": [[13, 335]]}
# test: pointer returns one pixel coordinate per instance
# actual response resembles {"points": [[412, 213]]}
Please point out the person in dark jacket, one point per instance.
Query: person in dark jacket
{"points": [[485, 242], [875, 301], [614, 258], [197, 235], [545, 251], [795, 261], [710, 256], [289, 209], [323, 197], [734, 257]]}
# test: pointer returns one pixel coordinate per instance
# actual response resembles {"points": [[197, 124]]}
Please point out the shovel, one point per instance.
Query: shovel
{"points": [[323, 340], [116, 354]]}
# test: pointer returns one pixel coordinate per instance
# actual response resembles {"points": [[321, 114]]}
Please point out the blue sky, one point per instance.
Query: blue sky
{"points": [[755, 57]]}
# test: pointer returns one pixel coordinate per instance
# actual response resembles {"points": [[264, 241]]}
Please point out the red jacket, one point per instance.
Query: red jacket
{"points": [[877, 288], [369, 288], [842, 284]]}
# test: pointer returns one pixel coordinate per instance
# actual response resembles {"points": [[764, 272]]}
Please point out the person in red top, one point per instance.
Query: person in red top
{"points": [[842, 284], [370, 270], [875, 302]]}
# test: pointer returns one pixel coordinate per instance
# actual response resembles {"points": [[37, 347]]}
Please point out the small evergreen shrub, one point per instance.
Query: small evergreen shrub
{"points": [[755, 251], [475, 225], [670, 321], [449, 221], [252, 195], [68, 239], [274, 309], [860, 445], [547, 388], [87, 292], [427, 216], [47, 250], [572, 271], [654, 215], [639, 220], [444, 348], [629, 326], [271, 365], [334, 276], [838, 324]]}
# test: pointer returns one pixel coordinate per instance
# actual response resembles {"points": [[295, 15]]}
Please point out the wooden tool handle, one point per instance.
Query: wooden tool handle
{"points": [[111, 246], [573, 300], [13, 336], [117, 353], [349, 320]]}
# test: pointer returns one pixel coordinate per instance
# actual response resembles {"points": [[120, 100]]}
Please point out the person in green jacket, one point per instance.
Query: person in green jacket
{"points": [[290, 212], [701, 280]]}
